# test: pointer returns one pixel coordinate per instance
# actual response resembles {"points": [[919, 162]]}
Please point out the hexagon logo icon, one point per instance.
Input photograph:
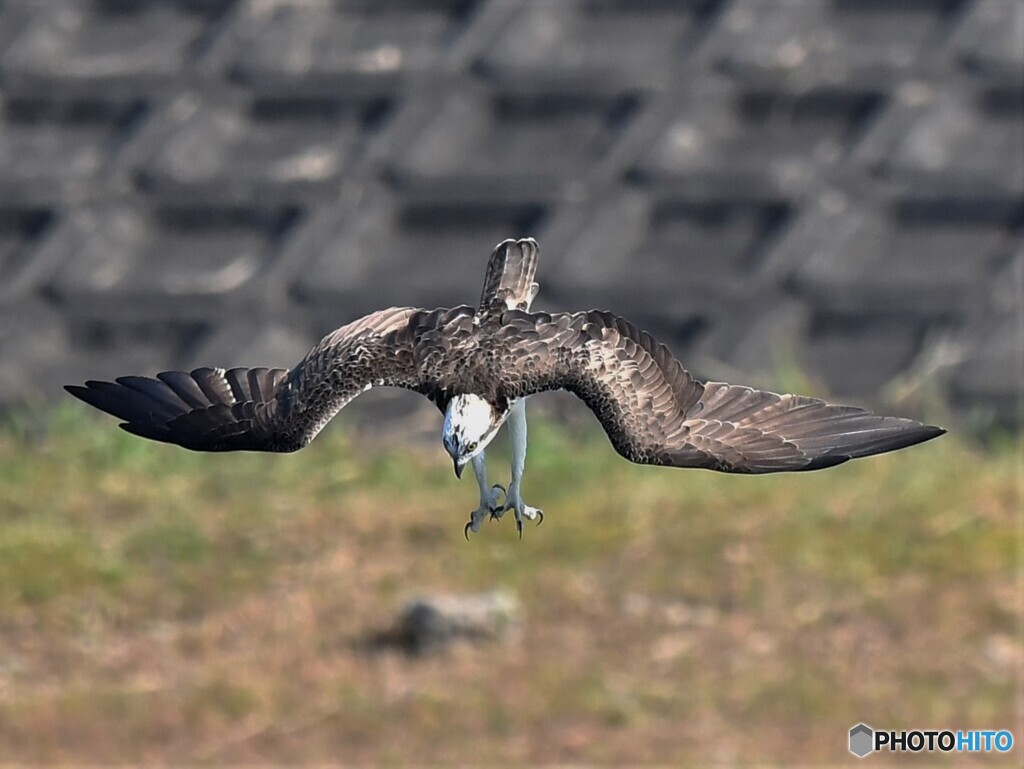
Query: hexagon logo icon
{"points": [[862, 739]]}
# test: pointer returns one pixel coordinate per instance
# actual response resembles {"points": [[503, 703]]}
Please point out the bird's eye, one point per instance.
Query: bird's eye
{"points": [[472, 446]]}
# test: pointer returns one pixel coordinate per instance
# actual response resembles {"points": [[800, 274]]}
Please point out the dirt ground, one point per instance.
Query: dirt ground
{"points": [[162, 607]]}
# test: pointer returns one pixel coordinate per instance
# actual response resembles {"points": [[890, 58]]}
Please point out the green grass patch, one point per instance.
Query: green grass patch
{"points": [[157, 604]]}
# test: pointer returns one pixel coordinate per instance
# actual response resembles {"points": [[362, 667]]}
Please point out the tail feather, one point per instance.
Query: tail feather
{"points": [[509, 280]]}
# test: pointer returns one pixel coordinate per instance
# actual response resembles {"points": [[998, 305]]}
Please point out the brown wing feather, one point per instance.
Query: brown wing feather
{"points": [[261, 409], [655, 412]]}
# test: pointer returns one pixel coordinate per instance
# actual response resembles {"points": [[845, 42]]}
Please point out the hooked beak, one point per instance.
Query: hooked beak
{"points": [[458, 468]]}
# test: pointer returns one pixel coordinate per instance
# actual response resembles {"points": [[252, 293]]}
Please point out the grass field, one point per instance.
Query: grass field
{"points": [[163, 606]]}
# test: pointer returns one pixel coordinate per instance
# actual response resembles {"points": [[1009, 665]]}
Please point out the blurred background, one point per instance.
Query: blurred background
{"points": [[824, 195]]}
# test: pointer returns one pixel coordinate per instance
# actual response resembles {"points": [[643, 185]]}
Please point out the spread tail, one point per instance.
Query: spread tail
{"points": [[509, 284]]}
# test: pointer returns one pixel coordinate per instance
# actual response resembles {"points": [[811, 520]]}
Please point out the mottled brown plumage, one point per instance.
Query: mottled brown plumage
{"points": [[652, 409]]}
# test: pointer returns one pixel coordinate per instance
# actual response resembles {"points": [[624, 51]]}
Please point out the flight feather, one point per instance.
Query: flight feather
{"points": [[655, 412], [650, 406]]}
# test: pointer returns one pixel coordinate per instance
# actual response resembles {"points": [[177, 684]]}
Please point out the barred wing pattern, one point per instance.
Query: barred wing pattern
{"points": [[259, 409], [207, 409], [655, 412], [652, 409]]}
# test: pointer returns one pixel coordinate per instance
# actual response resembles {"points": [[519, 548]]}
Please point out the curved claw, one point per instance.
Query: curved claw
{"points": [[519, 527], [465, 531], [540, 517], [498, 486]]}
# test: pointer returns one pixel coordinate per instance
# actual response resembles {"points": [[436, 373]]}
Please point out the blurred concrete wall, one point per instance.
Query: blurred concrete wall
{"points": [[833, 184]]}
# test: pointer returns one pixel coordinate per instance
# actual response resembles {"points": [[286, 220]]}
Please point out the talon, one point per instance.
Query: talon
{"points": [[519, 527], [496, 509], [465, 531], [540, 517]]}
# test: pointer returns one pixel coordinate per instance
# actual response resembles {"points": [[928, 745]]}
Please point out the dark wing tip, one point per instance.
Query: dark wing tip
{"points": [[203, 416], [925, 433], [752, 431], [149, 431], [914, 432], [88, 385], [898, 434]]}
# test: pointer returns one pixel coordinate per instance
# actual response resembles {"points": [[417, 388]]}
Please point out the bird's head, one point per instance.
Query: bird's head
{"points": [[470, 422]]}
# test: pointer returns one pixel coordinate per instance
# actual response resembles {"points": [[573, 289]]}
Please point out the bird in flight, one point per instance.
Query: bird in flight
{"points": [[479, 365]]}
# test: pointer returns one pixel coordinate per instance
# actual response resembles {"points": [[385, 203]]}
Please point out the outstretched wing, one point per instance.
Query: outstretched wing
{"points": [[656, 413], [210, 409], [508, 282]]}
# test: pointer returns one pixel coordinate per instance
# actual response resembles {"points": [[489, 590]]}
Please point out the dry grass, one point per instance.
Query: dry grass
{"points": [[161, 606]]}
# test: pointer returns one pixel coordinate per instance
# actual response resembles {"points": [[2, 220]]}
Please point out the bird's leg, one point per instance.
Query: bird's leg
{"points": [[488, 496], [517, 434]]}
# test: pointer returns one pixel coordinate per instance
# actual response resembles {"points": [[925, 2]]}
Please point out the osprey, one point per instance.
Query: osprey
{"points": [[479, 365]]}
